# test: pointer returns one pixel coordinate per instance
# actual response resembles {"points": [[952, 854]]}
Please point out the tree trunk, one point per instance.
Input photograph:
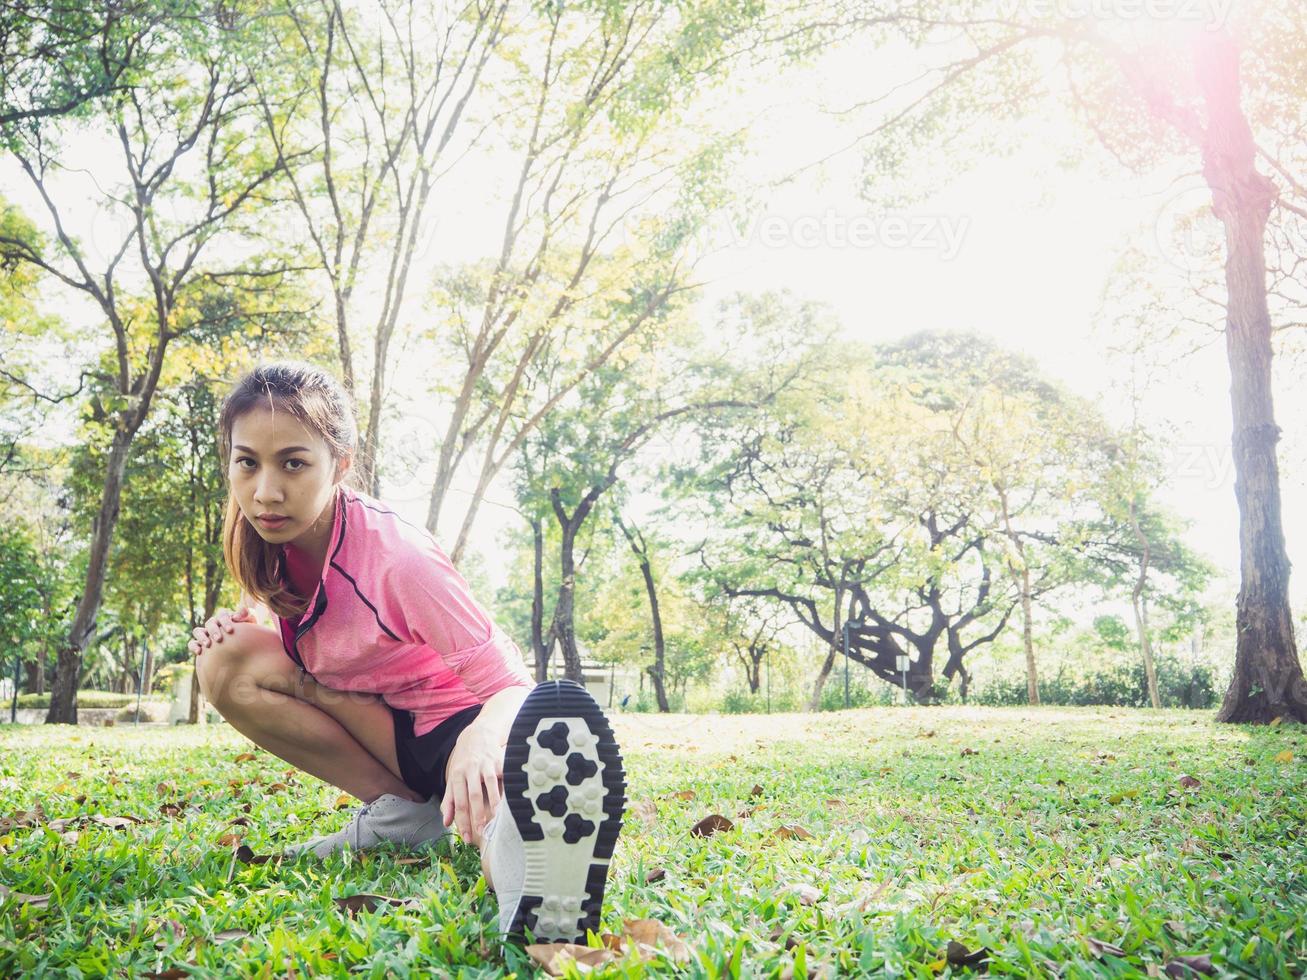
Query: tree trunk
{"points": [[1145, 645], [147, 671], [655, 670], [814, 704], [1027, 639], [1141, 613], [68, 667], [1023, 580], [1268, 679], [32, 677], [565, 628], [754, 669], [539, 646]]}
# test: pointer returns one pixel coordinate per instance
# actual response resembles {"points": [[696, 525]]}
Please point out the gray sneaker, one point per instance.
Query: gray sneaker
{"points": [[550, 841], [387, 818]]}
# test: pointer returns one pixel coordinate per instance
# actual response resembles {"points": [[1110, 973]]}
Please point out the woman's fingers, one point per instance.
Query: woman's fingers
{"points": [[460, 808], [490, 779], [476, 788], [447, 806]]}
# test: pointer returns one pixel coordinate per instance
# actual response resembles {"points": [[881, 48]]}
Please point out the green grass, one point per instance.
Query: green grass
{"points": [[1067, 827]]}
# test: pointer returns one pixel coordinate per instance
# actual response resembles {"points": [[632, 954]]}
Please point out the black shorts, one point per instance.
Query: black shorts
{"points": [[423, 758]]}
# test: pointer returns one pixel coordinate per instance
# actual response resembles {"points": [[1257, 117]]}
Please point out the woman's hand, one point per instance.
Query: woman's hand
{"points": [[211, 632], [472, 791]]}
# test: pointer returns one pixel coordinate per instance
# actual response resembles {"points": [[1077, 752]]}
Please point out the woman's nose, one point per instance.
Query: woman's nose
{"points": [[267, 490]]}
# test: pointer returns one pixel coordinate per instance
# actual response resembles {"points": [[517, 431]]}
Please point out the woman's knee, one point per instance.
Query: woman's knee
{"points": [[230, 672]]}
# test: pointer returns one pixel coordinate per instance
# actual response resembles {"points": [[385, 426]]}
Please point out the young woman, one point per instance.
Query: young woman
{"points": [[384, 676]]}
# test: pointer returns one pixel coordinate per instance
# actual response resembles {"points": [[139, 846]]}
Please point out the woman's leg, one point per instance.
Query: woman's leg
{"points": [[346, 739]]}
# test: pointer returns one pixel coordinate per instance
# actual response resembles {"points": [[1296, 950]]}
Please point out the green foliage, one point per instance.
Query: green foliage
{"points": [[1068, 825], [85, 699], [1179, 685], [21, 598], [741, 702], [863, 691]]}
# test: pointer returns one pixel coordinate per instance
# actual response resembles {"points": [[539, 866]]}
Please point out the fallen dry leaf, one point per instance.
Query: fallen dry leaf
{"points": [[655, 875], [1285, 756], [654, 935], [342, 801], [685, 794], [227, 935], [113, 823], [968, 750], [230, 839], [646, 811], [165, 788], [794, 832], [22, 898], [354, 904], [757, 790], [245, 855], [245, 757], [276, 787], [710, 825], [554, 958], [1189, 782], [407, 862], [23, 818], [958, 955], [1187, 966], [1100, 948], [806, 894]]}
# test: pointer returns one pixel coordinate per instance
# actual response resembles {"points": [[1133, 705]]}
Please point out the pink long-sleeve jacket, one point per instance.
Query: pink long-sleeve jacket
{"points": [[392, 616]]}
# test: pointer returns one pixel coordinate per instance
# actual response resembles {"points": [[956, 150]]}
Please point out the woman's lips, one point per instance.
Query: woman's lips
{"points": [[273, 523]]}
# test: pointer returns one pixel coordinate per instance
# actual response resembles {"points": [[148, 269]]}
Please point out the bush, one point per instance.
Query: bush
{"points": [[741, 702], [1178, 686], [85, 699], [860, 695], [151, 711]]}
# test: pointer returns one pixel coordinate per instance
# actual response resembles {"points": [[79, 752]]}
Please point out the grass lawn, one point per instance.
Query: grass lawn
{"points": [[1060, 842]]}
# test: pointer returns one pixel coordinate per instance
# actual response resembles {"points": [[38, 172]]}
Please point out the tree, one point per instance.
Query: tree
{"points": [[875, 495], [750, 628], [652, 387], [60, 58], [186, 174], [640, 548], [20, 604], [1035, 446], [611, 178], [1144, 99], [363, 108]]}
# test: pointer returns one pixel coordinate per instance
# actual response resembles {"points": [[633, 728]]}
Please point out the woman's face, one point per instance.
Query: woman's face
{"points": [[281, 469]]}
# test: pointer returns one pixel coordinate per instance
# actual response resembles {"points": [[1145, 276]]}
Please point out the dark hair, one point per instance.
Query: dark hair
{"points": [[319, 402]]}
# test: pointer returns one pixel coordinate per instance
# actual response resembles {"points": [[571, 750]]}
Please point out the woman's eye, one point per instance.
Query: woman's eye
{"points": [[299, 464]]}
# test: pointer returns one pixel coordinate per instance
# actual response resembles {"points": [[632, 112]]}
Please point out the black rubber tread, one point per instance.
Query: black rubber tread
{"points": [[564, 699]]}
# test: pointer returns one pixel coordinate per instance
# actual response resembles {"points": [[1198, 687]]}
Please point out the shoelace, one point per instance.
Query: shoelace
{"points": [[357, 821]]}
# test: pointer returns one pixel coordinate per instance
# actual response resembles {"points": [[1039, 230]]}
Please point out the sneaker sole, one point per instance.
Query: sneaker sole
{"points": [[566, 790]]}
